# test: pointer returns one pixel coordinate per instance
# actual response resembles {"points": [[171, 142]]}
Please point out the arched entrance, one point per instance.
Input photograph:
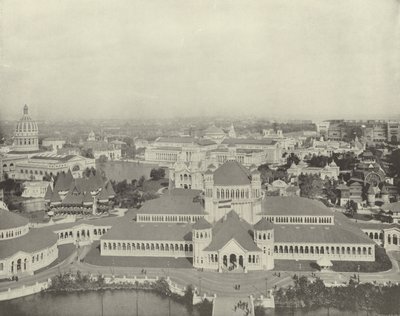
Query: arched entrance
{"points": [[232, 262], [241, 261], [19, 261], [225, 261]]}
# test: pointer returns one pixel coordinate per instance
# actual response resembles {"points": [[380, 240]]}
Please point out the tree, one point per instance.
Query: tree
{"points": [[319, 161], [351, 207], [157, 174], [88, 153], [292, 158], [311, 186], [330, 190], [103, 158], [142, 179]]}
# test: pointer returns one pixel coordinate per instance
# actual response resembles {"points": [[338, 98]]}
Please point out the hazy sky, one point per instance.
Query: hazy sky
{"points": [[282, 58]]}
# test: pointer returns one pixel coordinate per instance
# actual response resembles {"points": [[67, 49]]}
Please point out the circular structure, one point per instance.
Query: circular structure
{"points": [[24, 250], [26, 133]]}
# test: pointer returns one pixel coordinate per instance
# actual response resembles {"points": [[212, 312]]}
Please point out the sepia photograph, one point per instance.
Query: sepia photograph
{"points": [[199, 157]]}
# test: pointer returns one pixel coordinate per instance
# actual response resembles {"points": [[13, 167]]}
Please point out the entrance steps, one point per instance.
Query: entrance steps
{"points": [[234, 306]]}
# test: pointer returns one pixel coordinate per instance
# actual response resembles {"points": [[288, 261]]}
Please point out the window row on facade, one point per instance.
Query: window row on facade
{"points": [[147, 246], [15, 232], [236, 194], [329, 250], [169, 218], [301, 219]]}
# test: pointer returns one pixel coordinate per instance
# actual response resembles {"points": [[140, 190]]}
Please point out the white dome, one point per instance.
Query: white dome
{"points": [[26, 124], [26, 133]]}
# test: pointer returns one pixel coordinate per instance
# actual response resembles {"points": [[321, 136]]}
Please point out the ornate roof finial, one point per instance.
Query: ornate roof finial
{"points": [[25, 109]]}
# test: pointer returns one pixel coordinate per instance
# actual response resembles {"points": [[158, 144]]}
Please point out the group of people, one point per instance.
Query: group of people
{"points": [[243, 306], [143, 272], [236, 287], [277, 274]]}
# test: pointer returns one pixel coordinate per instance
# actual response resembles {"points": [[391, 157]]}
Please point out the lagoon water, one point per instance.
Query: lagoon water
{"points": [[121, 303], [118, 303]]}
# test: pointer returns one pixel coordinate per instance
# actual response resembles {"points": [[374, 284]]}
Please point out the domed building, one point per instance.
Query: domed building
{"points": [[26, 134], [23, 250]]}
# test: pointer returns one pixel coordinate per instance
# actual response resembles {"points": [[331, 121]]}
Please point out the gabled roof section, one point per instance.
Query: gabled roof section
{"points": [[177, 201], [232, 227], [103, 195], [293, 205], [202, 223], [232, 173], [55, 198], [73, 199], [49, 194], [10, 220], [110, 190], [263, 224], [87, 198]]}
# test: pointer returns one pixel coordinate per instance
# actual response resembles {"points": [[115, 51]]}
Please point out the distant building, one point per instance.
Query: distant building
{"points": [[35, 189], [330, 171], [24, 250], [26, 135], [40, 165], [54, 143], [79, 195]]}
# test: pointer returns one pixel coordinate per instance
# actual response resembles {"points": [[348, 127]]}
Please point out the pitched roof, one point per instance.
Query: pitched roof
{"points": [[130, 230], [87, 198], [175, 202], [49, 194], [73, 198], [103, 195], [110, 190], [343, 232], [9, 219], [263, 224], [55, 197], [232, 173], [293, 205], [35, 240], [202, 223], [232, 227]]}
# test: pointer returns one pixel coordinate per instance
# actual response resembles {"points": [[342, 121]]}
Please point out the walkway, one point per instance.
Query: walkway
{"points": [[233, 306], [206, 282]]}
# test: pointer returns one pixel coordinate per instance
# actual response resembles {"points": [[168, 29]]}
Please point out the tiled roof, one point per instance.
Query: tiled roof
{"points": [[129, 230], [55, 197], [73, 198], [60, 158], [49, 194], [87, 198], [103, 195], [110, 190], [342, 232], [9, 219], [35, 240], [232, 227], [232, 173], [175, 202], [293, 205], [263, 224], [202, 223]]}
